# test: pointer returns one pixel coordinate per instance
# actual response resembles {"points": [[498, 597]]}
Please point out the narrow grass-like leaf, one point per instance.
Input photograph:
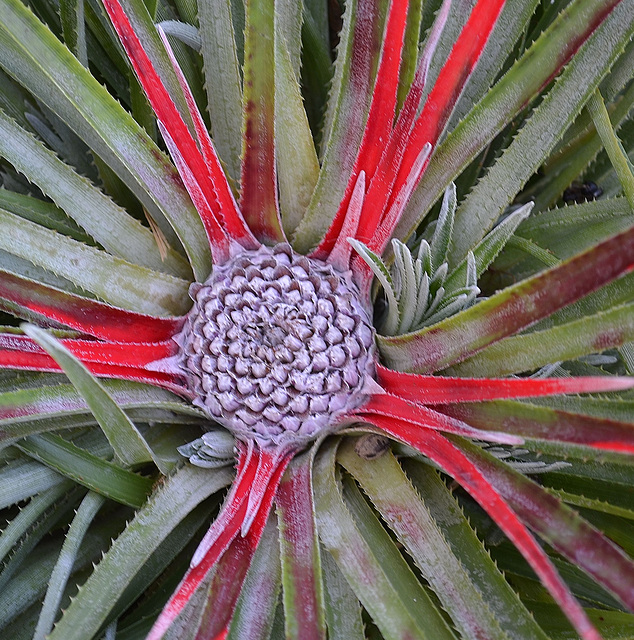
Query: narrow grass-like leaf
{"points": [[28, 516], [540, 133], [99, 216], [510, 310], [87, 469], [75, 96], [112, 279], [22, 479], [86, 512], [613, 147], [386, 587], [126, 441], [153, 523], [223, 81], [400, 505], [301, 566]]}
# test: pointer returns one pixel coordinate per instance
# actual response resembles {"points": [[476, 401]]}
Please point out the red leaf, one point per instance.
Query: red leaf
{"points": [[391, 406], [443, 390], [229, 213], [455, 463], [88, 316], [543, 423], [106, 359], [562, 527], [380, 119], [188, 153], [258, 472], [450, 83]]}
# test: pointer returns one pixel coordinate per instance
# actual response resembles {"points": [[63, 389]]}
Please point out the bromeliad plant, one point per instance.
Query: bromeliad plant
{"points": [[278, 359]]}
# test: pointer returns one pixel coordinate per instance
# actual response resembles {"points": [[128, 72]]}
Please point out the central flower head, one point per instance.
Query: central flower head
{"points": [[277, 347]]}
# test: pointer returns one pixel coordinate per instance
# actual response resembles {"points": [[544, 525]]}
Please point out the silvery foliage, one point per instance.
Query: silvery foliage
{"points": [[415, 286], [214, 449], [421, 291]]}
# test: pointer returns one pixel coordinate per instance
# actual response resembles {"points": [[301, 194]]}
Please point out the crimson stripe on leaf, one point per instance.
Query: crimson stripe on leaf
{"points": [[543, 423], [258, 179], [380, 118], [453, 461], [223, 540], [229, 213], [167, 113], [406, 142], [562, 527], [391, 406], [440, 389], [88, 316], [303, 599]]}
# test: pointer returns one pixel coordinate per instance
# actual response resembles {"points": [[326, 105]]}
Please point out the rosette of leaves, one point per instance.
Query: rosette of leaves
{"points": [[361, 536]]}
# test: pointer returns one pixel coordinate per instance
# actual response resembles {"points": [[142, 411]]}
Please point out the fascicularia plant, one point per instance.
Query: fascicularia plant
{"points": [[279, 349]]}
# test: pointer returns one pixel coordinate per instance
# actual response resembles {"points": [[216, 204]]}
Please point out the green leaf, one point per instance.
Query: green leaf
{"points": [[153, 523], [383, 276], [112, 279], [297, 163], [508, 97], [391, 493], [223, 82], [124, 438], [87, 469], [46, 214], [539, 134], [376, 571], [98, 215], [73, 27], [46, 68], [345, 118], [615, 151], [343, 610], [488, 248], [258, 181], [538, 348], [514, 308], [22, 479], [84, 516], [30, 516]]}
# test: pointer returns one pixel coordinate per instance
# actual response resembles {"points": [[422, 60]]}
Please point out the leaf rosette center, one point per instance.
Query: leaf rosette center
{"points": [[278, 347]]}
